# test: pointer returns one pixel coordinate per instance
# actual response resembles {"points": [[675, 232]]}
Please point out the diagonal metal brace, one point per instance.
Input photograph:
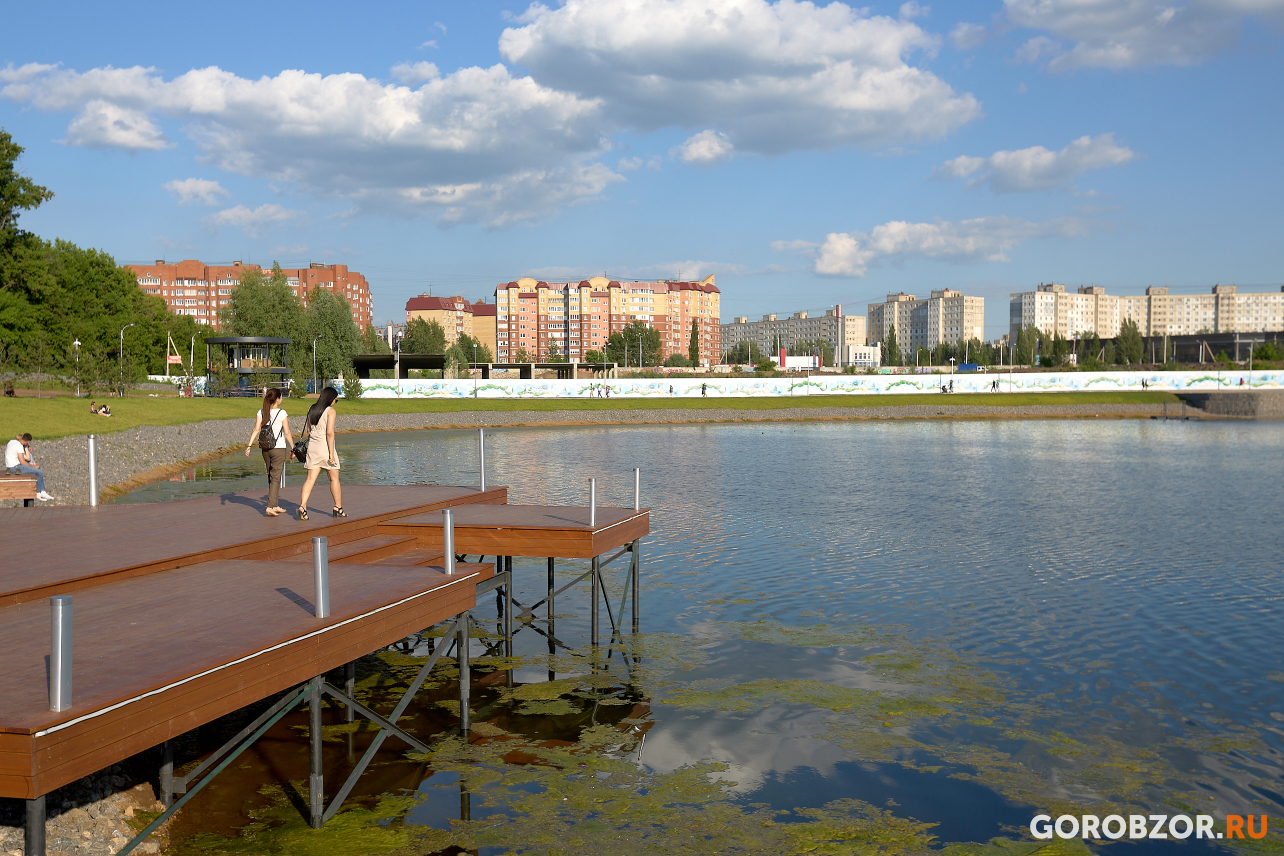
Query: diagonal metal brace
{"points": [[627, 549], [330, 690], [182, 783], [285, 706], [385, 730], [531, 609]]}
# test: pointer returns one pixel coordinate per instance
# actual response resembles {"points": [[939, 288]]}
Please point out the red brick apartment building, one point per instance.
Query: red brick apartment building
{"points": [[194, 288], [579, 317]]}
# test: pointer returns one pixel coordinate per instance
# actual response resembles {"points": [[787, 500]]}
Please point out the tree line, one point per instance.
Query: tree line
{"points": [[1032, 347]]}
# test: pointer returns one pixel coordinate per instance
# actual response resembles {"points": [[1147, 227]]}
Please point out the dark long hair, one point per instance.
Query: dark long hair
{"points": [[328, 395], [270, 397]]}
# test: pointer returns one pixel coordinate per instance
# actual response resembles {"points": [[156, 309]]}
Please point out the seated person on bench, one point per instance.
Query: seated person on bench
{"points": [[17, 459]]}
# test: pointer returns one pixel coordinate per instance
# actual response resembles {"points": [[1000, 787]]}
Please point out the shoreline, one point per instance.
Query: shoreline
{"points": [[146, 454]]}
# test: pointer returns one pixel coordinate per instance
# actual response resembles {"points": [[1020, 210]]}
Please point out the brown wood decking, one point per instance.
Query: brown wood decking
{"points": [[526, 530]]}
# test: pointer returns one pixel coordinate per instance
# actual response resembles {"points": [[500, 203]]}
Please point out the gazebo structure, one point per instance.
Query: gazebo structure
{"points": [[248, 355]]}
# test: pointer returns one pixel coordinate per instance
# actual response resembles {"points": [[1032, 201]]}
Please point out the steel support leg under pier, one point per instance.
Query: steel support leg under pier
{"points": [[316, 782], [349, 685], [596, 575], [551, 587], [167, 774], [465, 676], [35, 828], [637, 572]]}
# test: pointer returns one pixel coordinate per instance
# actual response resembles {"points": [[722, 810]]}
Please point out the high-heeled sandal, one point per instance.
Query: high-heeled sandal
{"points": [[339, 512], [303, 513]]}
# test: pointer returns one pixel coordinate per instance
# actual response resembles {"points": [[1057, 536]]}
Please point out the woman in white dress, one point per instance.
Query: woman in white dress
{"points": [[322, 454]]}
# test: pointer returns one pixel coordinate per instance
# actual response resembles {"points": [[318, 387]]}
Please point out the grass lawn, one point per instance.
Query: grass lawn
{"points": [[48, 418]]}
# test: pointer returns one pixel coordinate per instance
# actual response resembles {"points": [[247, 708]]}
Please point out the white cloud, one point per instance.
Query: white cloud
{"points": [[251, 219], [1036, 48], [468, 141], [195, 190], [912, 9], [984, 239], [431, 43], [102, 124], [706, 148], [1036, 168], [629, 164], [1133, 33], [967, 36], [772, 77], [416, 73], [797, 248]]}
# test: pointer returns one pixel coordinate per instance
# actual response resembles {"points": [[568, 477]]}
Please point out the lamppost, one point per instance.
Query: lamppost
{"points": [[639, 349], [121, 358], [76, 345], [314, 363], [476, 369], [951, 365]]}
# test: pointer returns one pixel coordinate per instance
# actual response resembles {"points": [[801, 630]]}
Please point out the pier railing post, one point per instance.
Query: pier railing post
{"points": [[321, 575], [637, 489], [316, 782], [93, 469], [448, 539], [34, 844], [481, 455], [60, 652], [592, 502], [465, 674]]}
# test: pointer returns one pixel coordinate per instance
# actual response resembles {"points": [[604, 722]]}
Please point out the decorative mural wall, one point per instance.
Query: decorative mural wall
{"points": [[824, 385]]}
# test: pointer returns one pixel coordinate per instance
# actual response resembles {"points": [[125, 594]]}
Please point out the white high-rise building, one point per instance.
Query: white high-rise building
{"points": [[946, 316]]}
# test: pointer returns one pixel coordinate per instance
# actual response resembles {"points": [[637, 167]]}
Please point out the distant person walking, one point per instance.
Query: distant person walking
{"points": [[272, 435], [322, 454], [704, 390], [18, 460]]}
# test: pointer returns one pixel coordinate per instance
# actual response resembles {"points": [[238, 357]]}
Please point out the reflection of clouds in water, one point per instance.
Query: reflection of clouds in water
{"points": [[777, 739]]}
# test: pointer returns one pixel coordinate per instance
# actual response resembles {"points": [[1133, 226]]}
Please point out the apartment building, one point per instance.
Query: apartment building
{"points": [[841, 331], [946, 316], [454, 314], [576, 317], [194, 288], [1053, 310]]}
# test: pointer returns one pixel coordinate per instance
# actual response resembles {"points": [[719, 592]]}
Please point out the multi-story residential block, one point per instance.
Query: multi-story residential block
{"points": [[484, 324], [842, 332], [454, 314], [194, 288], [1053, 310], [576, 317], [946, 316]]}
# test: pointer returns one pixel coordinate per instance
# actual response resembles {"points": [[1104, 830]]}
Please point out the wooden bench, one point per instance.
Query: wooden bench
{"points": [[20, 486]]}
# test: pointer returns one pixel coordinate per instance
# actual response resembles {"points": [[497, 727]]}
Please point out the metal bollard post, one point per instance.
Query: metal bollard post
{"points": [[448, 539], [481, 455], [93, 469], [592, 502], [60, 652], [321, 575], [637, 489]]}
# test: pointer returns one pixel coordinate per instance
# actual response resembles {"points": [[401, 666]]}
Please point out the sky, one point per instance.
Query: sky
{"points": [[806, 154]]}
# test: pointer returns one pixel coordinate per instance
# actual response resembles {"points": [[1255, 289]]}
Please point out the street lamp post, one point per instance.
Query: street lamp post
{"points": [[951, 365], [121, 358], [639, 350], [76, 345], [476, 370], [314, 363]]}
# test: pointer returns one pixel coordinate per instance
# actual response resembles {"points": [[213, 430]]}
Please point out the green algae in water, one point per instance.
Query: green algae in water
{"points": [[758, 694]]}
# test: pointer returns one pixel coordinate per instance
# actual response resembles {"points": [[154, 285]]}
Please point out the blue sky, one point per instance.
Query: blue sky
{"points": [[806, 154]]}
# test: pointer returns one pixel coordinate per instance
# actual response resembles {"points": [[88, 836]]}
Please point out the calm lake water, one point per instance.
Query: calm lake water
{"points": [[848, 630]]}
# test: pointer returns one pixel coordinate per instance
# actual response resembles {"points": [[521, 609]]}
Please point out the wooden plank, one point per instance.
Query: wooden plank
{"points": [[522, 530]]}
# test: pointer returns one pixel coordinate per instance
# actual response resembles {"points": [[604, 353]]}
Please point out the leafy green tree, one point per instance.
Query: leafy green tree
{"points": [[594, 357], [1129, 344], [629, 338], [1269, 351], [1108, 354], [677, 361], [423, 337], [1027, 342], [555, 354], [744, 352], [891, 355], [522, 356], [693, 346], [330, 315]]}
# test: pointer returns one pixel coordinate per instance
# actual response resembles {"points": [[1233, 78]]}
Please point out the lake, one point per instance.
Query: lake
{"points": [[898, 635]]}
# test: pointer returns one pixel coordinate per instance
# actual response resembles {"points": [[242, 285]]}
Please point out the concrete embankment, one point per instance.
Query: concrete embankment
{"points": [[131, 458], [1249, 404]]}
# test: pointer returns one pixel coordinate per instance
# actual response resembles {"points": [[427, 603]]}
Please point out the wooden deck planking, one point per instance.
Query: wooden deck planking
{"points": [[208, 600], [103, 544], [526, 530]]}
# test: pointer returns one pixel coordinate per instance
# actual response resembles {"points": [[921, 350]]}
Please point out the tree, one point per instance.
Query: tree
{"points": [[677, 361], [594, 357], [744, 352], [522, 356], [891, 351], [628, 339], [1128, 344], [693, 347], [330, 316], [554, 354], [423, 337], [1026, 344]]}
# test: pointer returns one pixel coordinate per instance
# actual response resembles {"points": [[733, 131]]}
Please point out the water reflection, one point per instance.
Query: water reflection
{"points": [[1101, 596]]}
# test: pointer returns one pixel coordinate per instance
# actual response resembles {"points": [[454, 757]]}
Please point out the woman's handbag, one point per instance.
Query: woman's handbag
{"points": [[301, 444]]}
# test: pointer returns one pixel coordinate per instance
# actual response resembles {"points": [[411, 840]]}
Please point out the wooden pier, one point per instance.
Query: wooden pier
{"points": [[186, 611]]}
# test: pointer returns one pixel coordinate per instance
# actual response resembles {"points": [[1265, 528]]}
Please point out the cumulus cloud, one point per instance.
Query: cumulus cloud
{"points": [[967, 36], [195, 190], [1036, 168], [772, 77], [413, 74], [1133, 33], [251, 219], [984, 239], [475, 142], [706, 148]]}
